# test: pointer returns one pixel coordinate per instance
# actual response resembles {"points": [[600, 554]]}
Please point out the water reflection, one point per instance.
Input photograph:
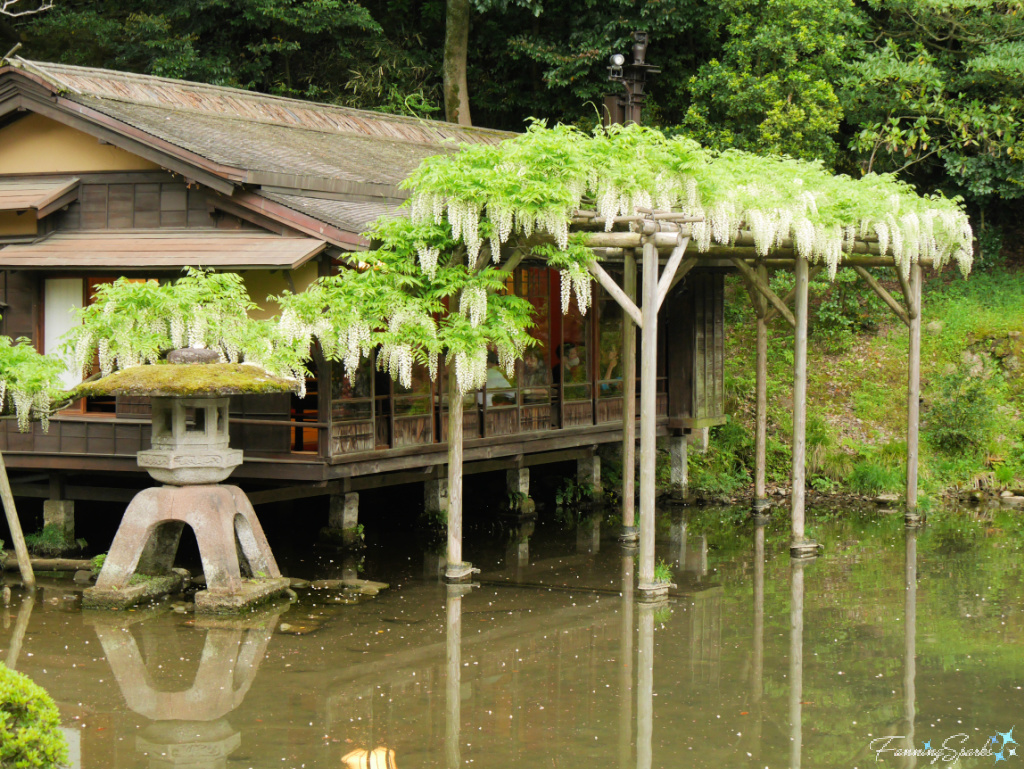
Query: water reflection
{"points": [[626, 658], [189, 726], [796, 660], [910, 636], [645, 687]]}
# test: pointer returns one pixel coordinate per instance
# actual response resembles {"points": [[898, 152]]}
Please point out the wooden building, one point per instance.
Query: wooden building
{"points": [[104, 174]]}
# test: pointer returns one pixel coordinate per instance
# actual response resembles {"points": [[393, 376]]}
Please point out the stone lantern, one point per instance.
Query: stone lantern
{"points": [[191, 457]]}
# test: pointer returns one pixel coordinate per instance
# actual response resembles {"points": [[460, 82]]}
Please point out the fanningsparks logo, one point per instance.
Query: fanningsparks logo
{"points": [[1000, 746]]}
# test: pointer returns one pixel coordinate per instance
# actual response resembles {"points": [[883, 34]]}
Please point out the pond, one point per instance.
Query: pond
{"points": [[893, 638]]}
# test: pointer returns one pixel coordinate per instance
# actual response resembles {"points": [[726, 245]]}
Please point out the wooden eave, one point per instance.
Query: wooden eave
{"points": [[42, 196]]}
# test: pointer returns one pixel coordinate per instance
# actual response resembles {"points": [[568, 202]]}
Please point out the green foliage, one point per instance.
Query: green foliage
{"points": [[771, 89], [574, 493], [29, 382], [96, 563], [726, 465], [870, 477], [29, 724], [51, 541], [662, 572], [130, 323], [960, 418]]}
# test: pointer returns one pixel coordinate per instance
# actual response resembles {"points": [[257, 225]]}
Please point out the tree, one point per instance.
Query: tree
{"points": [[456, 53]]}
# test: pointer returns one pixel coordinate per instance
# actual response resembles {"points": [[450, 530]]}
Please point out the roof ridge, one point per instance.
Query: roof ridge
{"points": [[278, 110]]}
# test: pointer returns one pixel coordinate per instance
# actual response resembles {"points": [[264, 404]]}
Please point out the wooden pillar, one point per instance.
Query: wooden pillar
{"points": [[629, 529], [11, 512], [796, 663], [761, 410], [456, 570], [648, 414], [913, 392], [910, 636], [800, 546]]}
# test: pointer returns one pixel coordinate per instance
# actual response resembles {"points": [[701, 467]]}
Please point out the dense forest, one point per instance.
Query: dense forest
{"points": [[930, 89]]}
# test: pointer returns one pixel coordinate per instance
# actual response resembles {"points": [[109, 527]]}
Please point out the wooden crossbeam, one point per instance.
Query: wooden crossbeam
{"points": [[908, 295], [751, 277], [771, 314], [667, 279], [608, 283], [884, 295]]}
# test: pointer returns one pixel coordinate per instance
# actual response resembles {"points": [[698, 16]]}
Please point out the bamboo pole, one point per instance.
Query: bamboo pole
{"points": [[910, 636], [913, 392], [455, 569], [629, 530], [11, 512], [648, 410], [761, 409], [800, 546]]}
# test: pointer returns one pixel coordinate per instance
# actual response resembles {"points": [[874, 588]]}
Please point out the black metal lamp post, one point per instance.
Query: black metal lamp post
{"points": [[625, 108]]}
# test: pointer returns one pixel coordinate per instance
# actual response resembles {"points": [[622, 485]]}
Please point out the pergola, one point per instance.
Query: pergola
{"points": [[630, 194]]}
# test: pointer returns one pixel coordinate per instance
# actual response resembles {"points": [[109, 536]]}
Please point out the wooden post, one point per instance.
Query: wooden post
{"points": [[913, 392], [800, 546], [11, 512], [910, 635], [456, 570], [629, 530], [761, 410], [796, 663], [648, 411]]}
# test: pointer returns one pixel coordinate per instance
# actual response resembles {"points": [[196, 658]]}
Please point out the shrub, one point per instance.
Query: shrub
{"points": [[869, 477], [961, 417], [29, 724]]}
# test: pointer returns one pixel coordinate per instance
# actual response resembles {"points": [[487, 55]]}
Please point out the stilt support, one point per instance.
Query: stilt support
{"points": [[343, 521], [800, 546], [913, 392], [517, 487], [630, 532], [678, 465]]}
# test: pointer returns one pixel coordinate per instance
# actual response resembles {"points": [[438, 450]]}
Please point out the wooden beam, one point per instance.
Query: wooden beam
{"points": [[761, 398], [771, 314], [667, 279], [14, 525], [764, 289], [513, 261], [289, 493], [648, 413], [908, 294], [616, 293], [885, 296], [682, 271]]}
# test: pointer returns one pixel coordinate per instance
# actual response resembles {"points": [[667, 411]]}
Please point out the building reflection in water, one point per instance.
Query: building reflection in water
{"points": [[189, 726]]}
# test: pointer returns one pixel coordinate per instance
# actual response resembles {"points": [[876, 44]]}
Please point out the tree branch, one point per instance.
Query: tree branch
{"points": [[7, 8]]}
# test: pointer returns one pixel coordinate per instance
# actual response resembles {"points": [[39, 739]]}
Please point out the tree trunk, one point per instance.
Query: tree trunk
{"points": [[456, 50]]}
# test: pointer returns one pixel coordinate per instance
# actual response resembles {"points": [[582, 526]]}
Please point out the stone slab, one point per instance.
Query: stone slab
{"points": [[252, 592], [146, 588]]}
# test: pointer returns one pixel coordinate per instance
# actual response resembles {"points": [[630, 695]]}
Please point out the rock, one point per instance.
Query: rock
{"points": [[7, 595], [1014, 334], [886, 499], [193, 355], [291, 594], [181, 607], [887, 511], [305, 627], [83, 577], [327, 584], [934, 328], [1014, 502], [365, 583], [199, 580], [367, 590], [1005, 493], [298, 584]]}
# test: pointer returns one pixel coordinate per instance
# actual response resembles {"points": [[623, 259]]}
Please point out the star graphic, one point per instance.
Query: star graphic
{"points": [[928, 745], [1013, 751], [999, 757], [1008, 737], [993, 739]]}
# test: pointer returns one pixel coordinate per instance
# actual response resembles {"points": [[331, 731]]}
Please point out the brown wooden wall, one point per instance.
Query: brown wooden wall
{"points": [[696, 350]]}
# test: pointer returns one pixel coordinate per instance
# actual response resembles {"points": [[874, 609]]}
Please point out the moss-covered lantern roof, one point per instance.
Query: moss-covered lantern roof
{"points": [[180, 380]]}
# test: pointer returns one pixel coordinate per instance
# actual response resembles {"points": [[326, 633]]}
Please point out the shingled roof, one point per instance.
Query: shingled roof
{"points": [[333, 164]]}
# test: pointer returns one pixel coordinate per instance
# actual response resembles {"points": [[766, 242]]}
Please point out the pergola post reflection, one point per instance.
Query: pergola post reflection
{"points": [[757, 668], [910, 636], [796, 660], [453, 681], [626, 660], [645, 685]]}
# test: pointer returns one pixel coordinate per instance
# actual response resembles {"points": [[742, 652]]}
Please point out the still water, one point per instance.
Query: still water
{"points": [[893, 638]]}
